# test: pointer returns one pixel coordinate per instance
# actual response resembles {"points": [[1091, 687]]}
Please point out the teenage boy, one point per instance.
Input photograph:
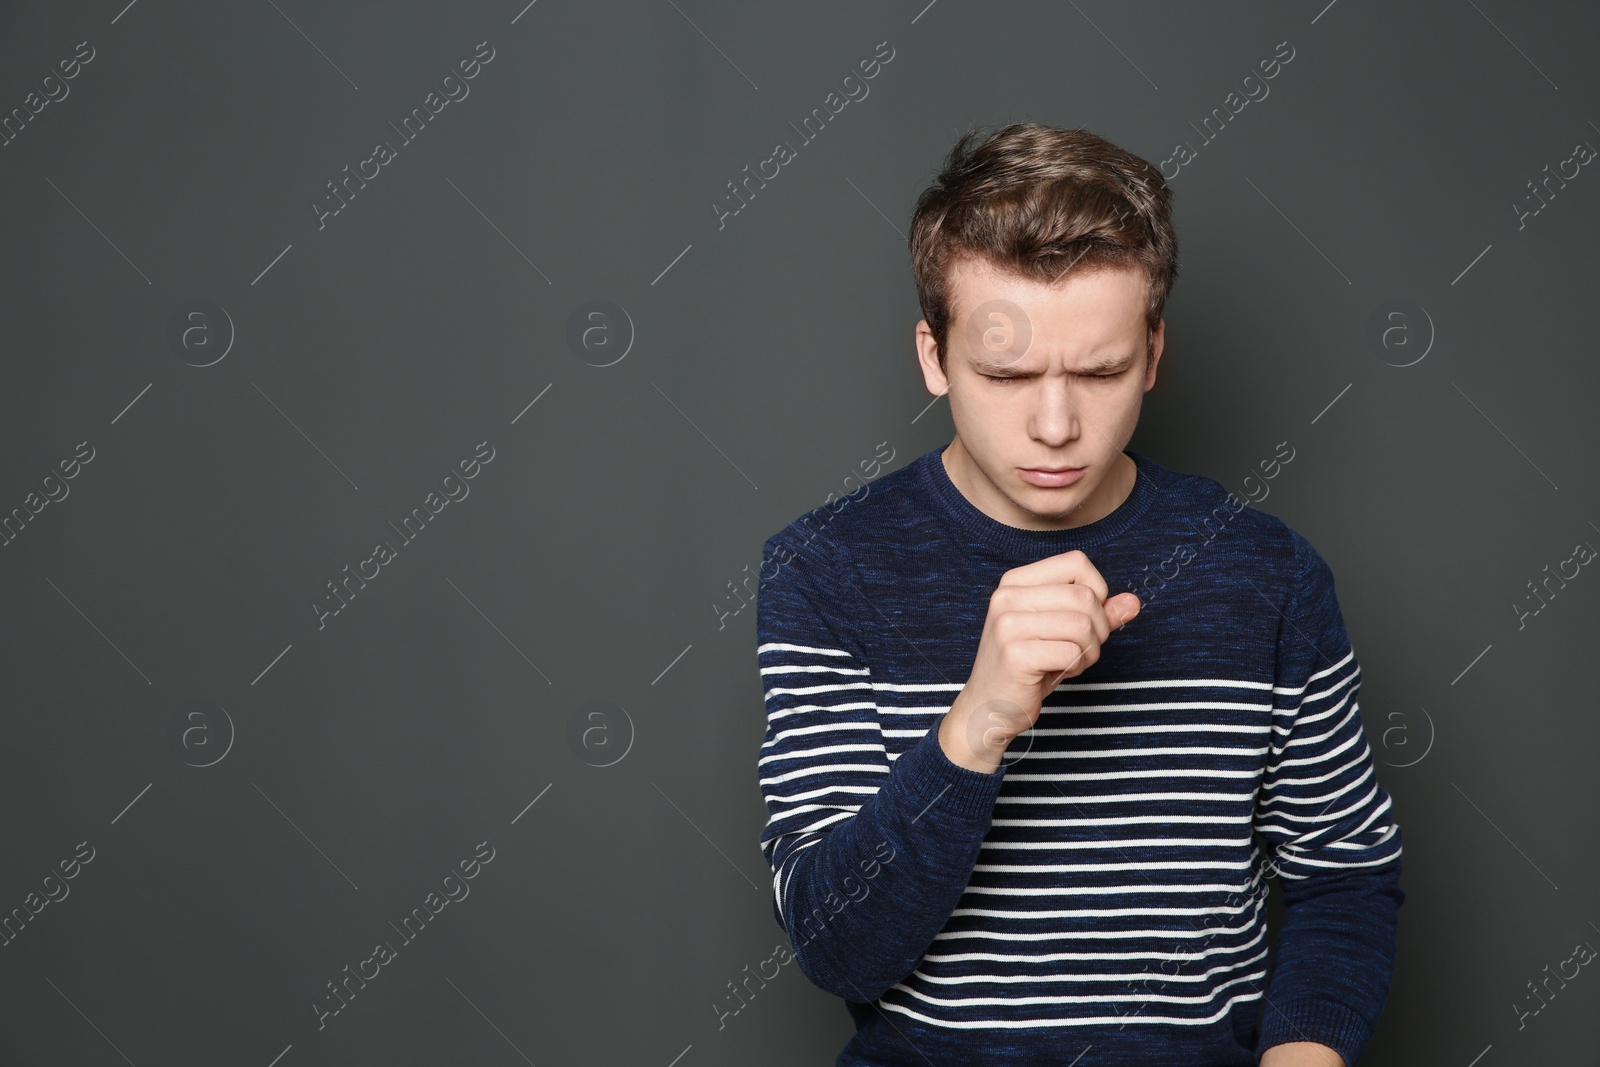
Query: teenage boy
{"points": [[1044, 716]]}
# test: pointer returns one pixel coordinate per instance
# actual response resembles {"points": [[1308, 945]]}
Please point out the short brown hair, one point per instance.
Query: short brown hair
{"points": [[1039, 201]]}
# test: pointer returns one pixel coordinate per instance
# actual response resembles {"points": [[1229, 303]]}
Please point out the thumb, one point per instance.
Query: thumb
{"points": [[1121, 609]]}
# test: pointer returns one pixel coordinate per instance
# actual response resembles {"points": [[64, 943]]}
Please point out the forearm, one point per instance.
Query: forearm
{"points": [[1334, 960], [863, 904]]}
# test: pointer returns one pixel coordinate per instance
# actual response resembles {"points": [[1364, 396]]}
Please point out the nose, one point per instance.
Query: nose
{"points": [[1056, 418]]}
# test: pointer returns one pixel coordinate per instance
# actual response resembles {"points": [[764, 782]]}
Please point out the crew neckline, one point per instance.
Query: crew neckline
{"points": [[1016, 541]]}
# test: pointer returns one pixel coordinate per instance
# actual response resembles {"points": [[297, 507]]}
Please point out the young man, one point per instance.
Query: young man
{"points": [[1043, 716]]}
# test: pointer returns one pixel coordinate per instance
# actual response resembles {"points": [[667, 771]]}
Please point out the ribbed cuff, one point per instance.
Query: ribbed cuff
{"points": [[935, 784], [1327, 1022]]}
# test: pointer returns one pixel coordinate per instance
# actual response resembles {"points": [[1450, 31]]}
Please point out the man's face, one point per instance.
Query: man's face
{"points": [[1043, 376]]}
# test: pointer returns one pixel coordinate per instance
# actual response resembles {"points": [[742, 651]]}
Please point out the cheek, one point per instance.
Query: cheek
{"points": [[983, 404], [1126, 418], [1123, 399]]}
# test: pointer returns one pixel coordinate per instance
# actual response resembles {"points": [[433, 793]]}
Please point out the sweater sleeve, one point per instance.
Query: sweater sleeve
{"points": [[1334, 844], [869, 854]]}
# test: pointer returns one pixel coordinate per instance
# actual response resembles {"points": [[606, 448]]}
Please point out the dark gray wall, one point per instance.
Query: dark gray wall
{"points": [[265, 796]]}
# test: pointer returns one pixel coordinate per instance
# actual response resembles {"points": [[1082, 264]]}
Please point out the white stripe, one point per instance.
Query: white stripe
{"points": [[1009, 1024], [1053, 957], [834, 709], [1063, 868], [1122, 798], [810, 753], [1081, 913], [808, 690], [813, 827], [1179, 750], [1320, 816], [802, 668], [807, 772], [1086, 998], [1305, 721], [826, 727], [1332, 731], [1124, 842], [1321, 757], [1132, 888], [1152, 728], [1286, 873], [1292, 690], [1070, 687], [1274, 791], [827, 790], [1089, 935], [1110, 820], [784, 646], [1002, 979], [1087, 709], [1170, 772], [1347, 682]]}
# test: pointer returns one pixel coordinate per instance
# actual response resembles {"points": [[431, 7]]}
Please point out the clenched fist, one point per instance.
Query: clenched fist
{"points": [[1046, 622]]}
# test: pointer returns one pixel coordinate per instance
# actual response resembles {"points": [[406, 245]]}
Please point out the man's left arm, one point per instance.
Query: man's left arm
{"points": [[1335, 846]]}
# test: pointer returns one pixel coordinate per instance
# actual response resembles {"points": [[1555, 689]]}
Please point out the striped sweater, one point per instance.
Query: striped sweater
{"points": [[1103, 893]]}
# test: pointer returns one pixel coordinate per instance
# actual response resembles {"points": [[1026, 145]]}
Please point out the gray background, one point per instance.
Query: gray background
{"points": [[593, 558]]}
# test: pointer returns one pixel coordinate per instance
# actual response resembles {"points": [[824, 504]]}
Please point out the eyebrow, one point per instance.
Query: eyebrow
{"points": [[1009, 370]]}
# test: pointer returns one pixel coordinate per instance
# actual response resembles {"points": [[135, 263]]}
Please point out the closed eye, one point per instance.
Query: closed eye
{"points": [[1019, 377]]}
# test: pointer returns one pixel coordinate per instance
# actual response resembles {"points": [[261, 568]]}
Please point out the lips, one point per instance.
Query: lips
{"points": [[1050, 477]]}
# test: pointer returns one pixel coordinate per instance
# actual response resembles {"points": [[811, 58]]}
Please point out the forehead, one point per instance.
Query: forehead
{"points": [[999, 315]]}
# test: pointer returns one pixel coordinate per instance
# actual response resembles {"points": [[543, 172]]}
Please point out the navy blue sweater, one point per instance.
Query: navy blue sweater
{"points": [[1103, 893]]}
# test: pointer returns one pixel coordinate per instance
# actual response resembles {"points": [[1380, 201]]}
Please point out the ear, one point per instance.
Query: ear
{"points": [[1157, 341], [928, 357]]}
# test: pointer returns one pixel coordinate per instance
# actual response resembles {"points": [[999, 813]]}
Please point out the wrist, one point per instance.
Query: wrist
{"points": [[1301, 1054], [978, 730], [971, 739]]}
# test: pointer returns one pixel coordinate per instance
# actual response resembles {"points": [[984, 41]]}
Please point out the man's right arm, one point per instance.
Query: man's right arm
{"points": [[869, 856]]}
